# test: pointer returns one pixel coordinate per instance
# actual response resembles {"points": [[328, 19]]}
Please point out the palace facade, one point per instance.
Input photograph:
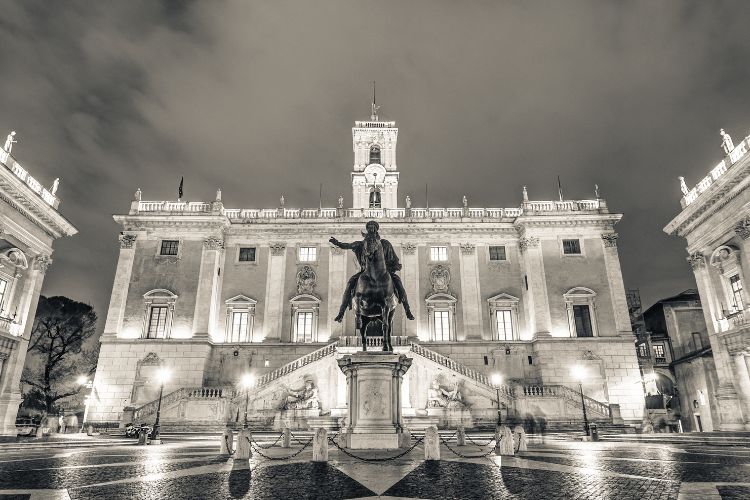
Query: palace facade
{"points": [[715, 222], [29, 224], [212, 293]]}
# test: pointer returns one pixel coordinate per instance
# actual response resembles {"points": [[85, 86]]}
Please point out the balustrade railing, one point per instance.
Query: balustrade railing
{"points": [[719, 170], [356, 341], [298, 363], [557, 391]]}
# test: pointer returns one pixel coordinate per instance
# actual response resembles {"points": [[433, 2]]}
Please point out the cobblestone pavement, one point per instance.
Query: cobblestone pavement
{"points": [[191, 468]]}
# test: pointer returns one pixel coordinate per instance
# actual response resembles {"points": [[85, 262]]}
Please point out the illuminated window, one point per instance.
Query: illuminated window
{"points": [[308, 254], [239, 326], [504, 324], [659, 353], [3, 289], [642, 350], [304, 326], [441, 310], [497, 253], [439, 253], [169, 247], [305, 313], [375, 154], [240, 319], [157, 323], [442, 326], [247, 255], [571, 247], [581, 306], [736, 283]]}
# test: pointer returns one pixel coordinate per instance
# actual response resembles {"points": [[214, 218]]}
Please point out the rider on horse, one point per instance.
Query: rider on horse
{"points": [[391, 261]]}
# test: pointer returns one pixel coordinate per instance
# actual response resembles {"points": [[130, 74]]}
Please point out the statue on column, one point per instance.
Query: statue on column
{"points": [[376, 289], [726, 142], [55, 185], [9, 141]]}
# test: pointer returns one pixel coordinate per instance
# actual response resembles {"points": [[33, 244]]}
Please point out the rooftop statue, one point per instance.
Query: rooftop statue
{"points": [[683, 186], [375, 291], [9, 141], [726, 142]]}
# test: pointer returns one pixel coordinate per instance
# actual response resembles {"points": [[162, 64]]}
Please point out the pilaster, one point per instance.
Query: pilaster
{"points": [[336, 284], [538, 306], [411, 284], [120, 286], [274, 305], [470, 295], [616, 284], [208, 277]]}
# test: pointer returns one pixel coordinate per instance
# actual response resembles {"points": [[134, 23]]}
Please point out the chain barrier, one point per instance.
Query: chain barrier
{"points": [[492, 450], [296, 439], [381, 459], [305, 445], [257, 443], [478, 444]]}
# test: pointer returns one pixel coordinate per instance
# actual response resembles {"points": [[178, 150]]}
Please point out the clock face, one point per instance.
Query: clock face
{"points": [[375, 174]]}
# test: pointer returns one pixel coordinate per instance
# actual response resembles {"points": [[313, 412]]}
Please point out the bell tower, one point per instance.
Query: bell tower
{"points": [[375, 174]]}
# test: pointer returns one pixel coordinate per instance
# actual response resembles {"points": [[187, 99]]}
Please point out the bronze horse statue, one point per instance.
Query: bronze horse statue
{"points": [[374, 295]]}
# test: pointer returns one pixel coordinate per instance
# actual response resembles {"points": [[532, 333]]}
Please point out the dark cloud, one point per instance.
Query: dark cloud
{"points": [[259, 98]]}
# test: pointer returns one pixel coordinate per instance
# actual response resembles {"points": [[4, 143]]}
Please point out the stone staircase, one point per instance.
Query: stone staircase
{"points": [[594, 409]]}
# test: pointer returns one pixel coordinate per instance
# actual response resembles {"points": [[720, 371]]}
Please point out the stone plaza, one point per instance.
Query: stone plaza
{"points": [[554, 466]]}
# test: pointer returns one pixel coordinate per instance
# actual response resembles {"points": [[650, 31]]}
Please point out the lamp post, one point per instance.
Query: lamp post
{"points": [[579, 373], [248, 380], [497, 381], [88, 384], [163, 375]]}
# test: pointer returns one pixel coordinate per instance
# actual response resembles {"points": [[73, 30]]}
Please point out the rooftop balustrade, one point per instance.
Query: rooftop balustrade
{"points": [[717, 172], [11, 164]]}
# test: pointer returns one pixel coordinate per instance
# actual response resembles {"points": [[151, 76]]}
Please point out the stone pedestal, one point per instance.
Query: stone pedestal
{"points": [[374, 398]]}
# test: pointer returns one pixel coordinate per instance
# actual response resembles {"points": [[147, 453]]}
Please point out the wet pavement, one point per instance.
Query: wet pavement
{"points": [[191, 468]]}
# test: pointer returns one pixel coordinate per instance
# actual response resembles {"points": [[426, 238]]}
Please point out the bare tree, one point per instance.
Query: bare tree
{"points": [[56, 348]]}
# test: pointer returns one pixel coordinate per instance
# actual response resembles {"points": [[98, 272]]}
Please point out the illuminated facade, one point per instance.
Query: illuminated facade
{"points": [[29, 224], [213, 292], [715, 221]]}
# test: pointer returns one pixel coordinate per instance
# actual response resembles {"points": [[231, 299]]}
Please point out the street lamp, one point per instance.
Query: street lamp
{"points": [[497, 381], [162, 375], [84, 381], [248, 380], [579, 373]]}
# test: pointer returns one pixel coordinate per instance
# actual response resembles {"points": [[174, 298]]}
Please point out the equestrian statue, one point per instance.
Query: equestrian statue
{"points": [[376, 290]]}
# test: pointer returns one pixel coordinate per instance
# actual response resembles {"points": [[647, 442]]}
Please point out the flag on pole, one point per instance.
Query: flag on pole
{"points": [[559, 188], [179, 190]]}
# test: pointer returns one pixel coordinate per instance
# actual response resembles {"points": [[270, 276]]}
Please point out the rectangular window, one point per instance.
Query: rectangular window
{"points": [[504, 324], [497, 253], [247, 254], [304, 326], [571, 247], [169, 247], [582, 320], [697, 341], [439, 253], [642, 350], [308, 254], [442, 326], [3, 289], [239, 326], [736, 285], [659, 356], [157, 323]]}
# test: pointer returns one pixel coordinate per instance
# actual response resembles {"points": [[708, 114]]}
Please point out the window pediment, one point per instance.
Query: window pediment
{"points": [[240, 300], [580, 292], [160, 293], [505, 298], [441, 298]]}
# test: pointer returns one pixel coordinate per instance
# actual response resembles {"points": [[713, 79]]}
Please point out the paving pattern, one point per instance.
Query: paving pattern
{"points": [[191, 468]]}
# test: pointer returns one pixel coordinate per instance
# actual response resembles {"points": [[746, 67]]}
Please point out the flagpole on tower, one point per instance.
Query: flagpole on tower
{"points": [[179, 190], [559, 188]]}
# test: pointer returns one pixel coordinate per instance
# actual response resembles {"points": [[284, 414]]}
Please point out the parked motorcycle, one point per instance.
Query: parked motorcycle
{"points": [[134, 430]]}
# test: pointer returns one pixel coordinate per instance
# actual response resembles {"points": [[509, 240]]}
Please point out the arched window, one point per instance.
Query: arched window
{"points": [[375, 198], [579, 302], [158, 312], [374, 154]]}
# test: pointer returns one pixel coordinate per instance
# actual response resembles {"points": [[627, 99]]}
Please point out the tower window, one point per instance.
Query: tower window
{"points": [[157, 322], [247, 254], [375, 154], [308, 254], [438, 254], [571, 247], [169, 247], [736, 285], [375, 198], [497, 253]]}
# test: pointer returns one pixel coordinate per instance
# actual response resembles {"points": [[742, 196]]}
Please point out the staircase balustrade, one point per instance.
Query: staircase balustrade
{"points": [[563, 391]]}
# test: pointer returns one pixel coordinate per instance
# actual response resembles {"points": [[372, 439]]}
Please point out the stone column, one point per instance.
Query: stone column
{"points": [[742, 383], [120, 287], [470, 295], [616, 284], [538, 305], [274, 306], [206, 307], [336, 283], [10, 390], [410, 278], [727, 400]]}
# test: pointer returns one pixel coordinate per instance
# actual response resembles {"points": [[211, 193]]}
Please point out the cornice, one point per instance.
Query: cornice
{"points": [[33, 208]]}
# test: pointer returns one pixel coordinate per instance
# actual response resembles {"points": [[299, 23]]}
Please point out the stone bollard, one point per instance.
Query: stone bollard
{"points": [[519, 439], [431, 443], [286, 440], [142, 438], [227, 438], [461, 436], [404, 439], [504, 441], [320, 445], [243, 450]]}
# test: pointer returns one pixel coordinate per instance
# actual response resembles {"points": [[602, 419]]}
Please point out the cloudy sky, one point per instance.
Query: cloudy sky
{"points": [[259, 98]]}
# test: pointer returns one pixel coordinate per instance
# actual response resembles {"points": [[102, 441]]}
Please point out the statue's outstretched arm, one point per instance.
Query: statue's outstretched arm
{"points": [[341, 244]]}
